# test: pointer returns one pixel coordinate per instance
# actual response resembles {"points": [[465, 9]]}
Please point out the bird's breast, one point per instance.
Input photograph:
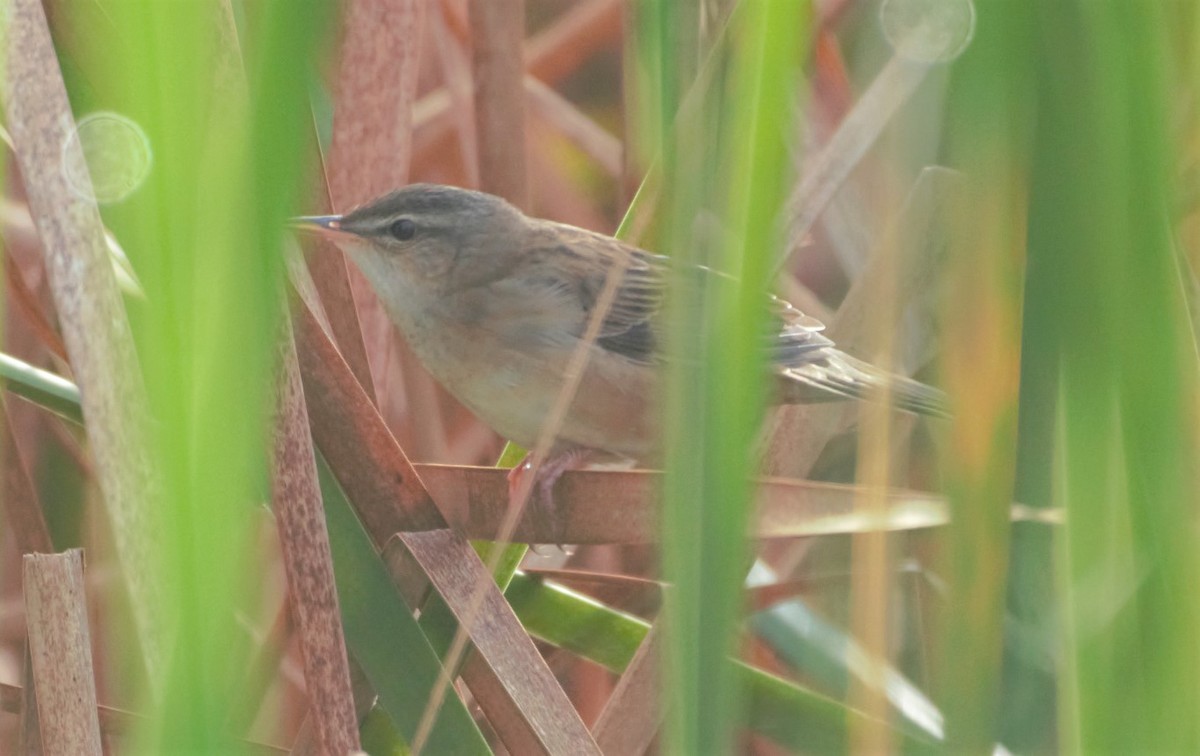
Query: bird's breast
{"points": [[514, 386]]}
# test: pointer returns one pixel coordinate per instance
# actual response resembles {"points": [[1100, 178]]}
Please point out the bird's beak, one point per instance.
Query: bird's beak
{"points": [[329, 226]]}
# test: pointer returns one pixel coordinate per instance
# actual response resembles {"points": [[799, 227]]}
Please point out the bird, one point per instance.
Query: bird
{"points": [[494, 302]]}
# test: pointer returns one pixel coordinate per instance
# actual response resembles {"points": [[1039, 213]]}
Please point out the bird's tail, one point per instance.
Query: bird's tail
{"points": [[837, 375]]}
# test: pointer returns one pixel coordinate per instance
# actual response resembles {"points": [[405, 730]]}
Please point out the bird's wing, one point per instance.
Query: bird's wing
{"points": [[631, 326], [795, 343]]}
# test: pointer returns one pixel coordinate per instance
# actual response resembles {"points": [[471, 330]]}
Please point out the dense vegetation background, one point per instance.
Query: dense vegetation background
{"points": [[998, 197]]}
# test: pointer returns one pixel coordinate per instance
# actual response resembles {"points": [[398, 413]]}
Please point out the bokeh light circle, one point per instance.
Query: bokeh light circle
{"points": [[107, 157], [928, 31]]}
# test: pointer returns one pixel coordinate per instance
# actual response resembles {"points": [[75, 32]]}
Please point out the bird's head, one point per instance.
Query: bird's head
{"points": [[439, 238]]}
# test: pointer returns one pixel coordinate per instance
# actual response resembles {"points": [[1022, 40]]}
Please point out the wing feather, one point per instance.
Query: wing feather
{"points": [[795, 344]]}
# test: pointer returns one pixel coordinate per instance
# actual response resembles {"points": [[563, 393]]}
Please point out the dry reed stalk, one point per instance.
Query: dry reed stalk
{"points": [[530, 701], [374, 94], [24, 516], [596, 507], [91, 313], [632, 717], [61, 653], [590, 136], [552, 55], [579, 33], [28, 305], [29, 740], [871, 552], [456, 75], [861, 127]]}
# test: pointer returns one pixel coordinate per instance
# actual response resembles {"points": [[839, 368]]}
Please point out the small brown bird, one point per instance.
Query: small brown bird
{"points": [[495, 302]]}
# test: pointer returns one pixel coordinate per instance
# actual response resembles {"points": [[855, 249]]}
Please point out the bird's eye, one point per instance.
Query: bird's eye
{"points": [[403, 229]]}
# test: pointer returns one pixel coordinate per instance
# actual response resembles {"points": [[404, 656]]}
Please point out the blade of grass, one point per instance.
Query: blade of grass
{"points": [[791, 715], [384, 636], [987, 138], [41, 387], [118, 723], [205, 232], [716, 335], [1102, 199]]}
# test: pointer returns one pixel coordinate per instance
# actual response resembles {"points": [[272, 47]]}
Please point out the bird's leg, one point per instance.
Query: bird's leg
{"points": [[541, 491]]}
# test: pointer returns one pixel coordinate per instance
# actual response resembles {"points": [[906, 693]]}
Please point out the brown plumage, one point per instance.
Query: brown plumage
{"points": [[495, 302]]}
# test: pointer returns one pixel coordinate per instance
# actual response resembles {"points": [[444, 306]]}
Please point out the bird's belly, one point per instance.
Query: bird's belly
{"points": [[514, 391]]}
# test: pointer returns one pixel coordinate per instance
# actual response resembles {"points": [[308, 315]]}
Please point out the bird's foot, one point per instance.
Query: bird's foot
{"points": [[541, 488]]}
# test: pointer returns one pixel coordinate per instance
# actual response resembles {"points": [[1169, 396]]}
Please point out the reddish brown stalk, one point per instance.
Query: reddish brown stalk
{"points": [[304, 542], [831, 81], [331, 278], [24, 516], [374, 94], [22, 512], [377, 477], [551, 55], [510, 680], [28, 305], [497, 35], [455, 14], [306, 743], [371, 154]]}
